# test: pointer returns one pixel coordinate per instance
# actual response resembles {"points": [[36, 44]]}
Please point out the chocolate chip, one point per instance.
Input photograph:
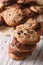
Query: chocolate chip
{"points": [[20, 45], [19, 14], [24, 33], [12, 44], [19, 33], [27, 29]]}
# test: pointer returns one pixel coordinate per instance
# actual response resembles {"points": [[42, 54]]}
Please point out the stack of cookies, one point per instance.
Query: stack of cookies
{"points": [[21, 14], [23, 43]]}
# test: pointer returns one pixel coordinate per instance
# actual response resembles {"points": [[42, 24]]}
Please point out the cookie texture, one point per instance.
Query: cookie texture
{"points": [[13, 16], [27, 36], [14, 57], [17, 53], [30, 24], [22, 48], [36, 9]]}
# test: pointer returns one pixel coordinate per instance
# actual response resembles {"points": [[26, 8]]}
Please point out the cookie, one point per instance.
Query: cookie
{"points": [[20, 46], [30, 24], [14, 57], [20, 27], [13, 16], [23, 48], [1, 6], [17, 53], [27, 36], [24, 1], [36, 9]]}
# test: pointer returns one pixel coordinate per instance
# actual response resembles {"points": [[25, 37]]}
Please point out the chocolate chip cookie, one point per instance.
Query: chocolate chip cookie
{"points": [[18, 55], [27, 36], [13, 16], [21, 49], [30, 24]]}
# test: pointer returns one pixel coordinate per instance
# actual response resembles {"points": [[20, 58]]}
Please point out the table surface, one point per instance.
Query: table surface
{"points": [[35, 59]]}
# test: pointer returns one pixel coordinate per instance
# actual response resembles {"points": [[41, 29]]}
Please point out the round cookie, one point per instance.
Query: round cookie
{"points": [[24, 1], [27, 36], [14, 57], [13, 16], [36, 9], [30, 24], [18, 53], [19, 49]]}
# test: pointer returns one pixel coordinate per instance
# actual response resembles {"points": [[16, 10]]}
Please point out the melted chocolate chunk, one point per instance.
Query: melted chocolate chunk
{"points": [[19, 33]]}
